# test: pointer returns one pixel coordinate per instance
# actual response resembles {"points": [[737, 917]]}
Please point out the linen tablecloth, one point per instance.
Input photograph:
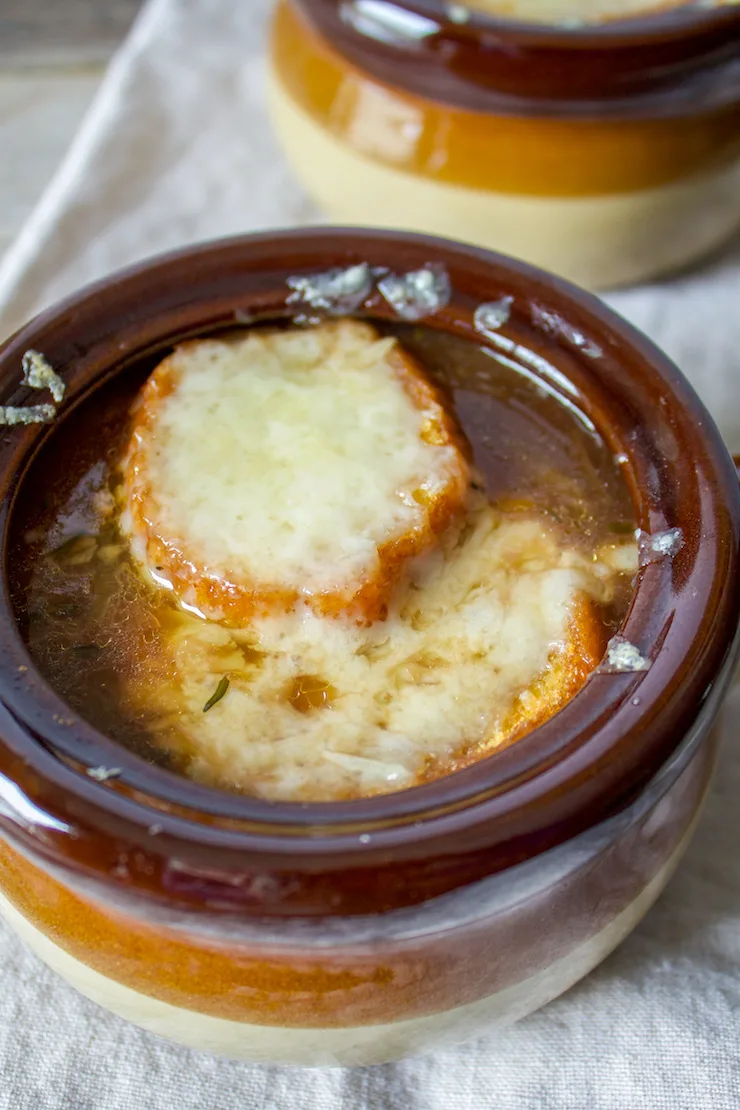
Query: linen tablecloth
{"points": [[176, 148]]}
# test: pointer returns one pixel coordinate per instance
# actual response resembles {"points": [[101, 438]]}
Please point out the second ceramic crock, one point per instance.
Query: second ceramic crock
{"points": [[607, 153]]}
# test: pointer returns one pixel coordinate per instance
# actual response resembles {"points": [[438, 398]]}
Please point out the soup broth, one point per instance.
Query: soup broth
{"points": [[488, 627]]}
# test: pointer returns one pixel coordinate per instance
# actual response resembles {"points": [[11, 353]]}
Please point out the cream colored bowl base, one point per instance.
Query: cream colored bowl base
{"points": [[357, 1045], [598, 242]]}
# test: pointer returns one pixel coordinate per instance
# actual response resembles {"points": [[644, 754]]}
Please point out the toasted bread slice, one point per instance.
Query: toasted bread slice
{"points": [[567, 672], [272, 468], [565, 676]]}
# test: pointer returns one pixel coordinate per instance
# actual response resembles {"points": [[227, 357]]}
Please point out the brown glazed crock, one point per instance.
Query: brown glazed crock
{"points": [[113, 872], [606, 153]]}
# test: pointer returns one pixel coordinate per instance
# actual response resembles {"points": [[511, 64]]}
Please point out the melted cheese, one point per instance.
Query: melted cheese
{"points": [[284, 466], [491, 634]]}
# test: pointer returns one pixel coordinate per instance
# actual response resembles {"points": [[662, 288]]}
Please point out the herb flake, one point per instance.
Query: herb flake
{"points": [[217, 694]]}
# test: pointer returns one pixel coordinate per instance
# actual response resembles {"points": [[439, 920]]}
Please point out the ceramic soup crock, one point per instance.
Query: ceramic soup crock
{"points": [[356, 932], [606, 153]]}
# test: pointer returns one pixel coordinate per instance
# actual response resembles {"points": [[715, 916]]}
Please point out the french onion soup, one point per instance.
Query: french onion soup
{"points": [[323, 562]]}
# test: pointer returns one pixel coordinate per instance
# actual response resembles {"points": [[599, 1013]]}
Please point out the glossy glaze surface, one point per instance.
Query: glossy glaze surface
{"points": [[477, 955], [535, 154], [608, 154], [670, 63]]}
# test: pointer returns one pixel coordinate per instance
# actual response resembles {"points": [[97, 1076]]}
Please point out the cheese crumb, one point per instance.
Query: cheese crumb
{"points": [[39, 374], [11, 415]]}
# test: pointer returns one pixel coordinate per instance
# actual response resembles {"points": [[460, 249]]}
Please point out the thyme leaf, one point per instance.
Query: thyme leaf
{"points": [[218, 693]]}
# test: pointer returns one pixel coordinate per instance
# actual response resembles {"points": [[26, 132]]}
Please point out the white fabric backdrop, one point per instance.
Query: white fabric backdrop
{"points": [[176, 149]]}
